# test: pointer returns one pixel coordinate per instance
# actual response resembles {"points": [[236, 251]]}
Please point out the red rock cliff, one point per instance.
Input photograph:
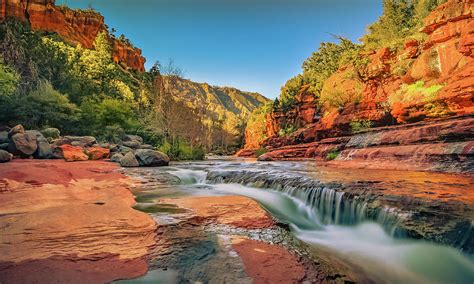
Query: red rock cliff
{"points": [[75, 26], [445, 59]]}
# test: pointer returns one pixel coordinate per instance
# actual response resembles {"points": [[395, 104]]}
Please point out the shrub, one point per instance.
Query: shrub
{"points": [[415, 93], [332, 155], [260, 152], [360, 125], [287, 130]]}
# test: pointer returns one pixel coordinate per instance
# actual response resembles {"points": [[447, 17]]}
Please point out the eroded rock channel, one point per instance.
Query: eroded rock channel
{"points": [[241, 222]]}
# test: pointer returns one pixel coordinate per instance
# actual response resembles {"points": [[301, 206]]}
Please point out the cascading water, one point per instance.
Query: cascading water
{"points": [[342, 223]]}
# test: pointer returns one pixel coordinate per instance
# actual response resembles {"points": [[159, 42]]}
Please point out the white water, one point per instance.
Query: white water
{"points": [[366, 245]]}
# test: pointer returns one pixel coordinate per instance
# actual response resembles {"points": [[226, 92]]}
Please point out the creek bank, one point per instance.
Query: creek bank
{"points": [[48, 144], [70, 222]]}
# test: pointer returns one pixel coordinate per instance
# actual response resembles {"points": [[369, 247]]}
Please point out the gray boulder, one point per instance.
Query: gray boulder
{"points": [[132, 144], [116, 158], [4, 146], [81, 141], [146, 146], [44, 150], [5, 156], [16, 130], [51, 133], [133, 138], [23, 144], [4, 137], [129, 160], [124, 149], [151, 158]]}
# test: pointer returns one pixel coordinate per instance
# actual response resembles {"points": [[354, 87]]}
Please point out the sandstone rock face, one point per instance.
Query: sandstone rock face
{"points": [[445, 60], [151, 158], [70, 153], [77, 27], [5, 156], [97, 153], [129, 160]]}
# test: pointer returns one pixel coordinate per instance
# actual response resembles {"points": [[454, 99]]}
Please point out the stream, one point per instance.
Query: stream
{"points": [[360, 232]]}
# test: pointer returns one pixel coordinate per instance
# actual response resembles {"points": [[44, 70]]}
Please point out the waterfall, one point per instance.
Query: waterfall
{"points": [[330, 203]]}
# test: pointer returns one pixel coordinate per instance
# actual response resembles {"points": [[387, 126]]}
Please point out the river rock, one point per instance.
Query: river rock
{"points": [[81, 141], [4, 146], [5, 156], [70, 153], [151, 158], [97, 153], [23, 144], [4, 137], [146, 146], [16, 130], [133, 138], [129, 160], [51, 133], [124, 149], [132, 144], [116, 158], [44, 150]]}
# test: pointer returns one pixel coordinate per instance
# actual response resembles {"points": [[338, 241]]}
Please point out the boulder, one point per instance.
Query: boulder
{"points": [[129, 160], [151, 158], [44, 150], [97, 153], [51, 133], [133, 138], [70, 153], [4, 146], [16, 130], [124, 149], [265, 157], [23, 144], [5, 156], [146, 146], [4, 137], [116, 158], [132, 144], [81, 141]]}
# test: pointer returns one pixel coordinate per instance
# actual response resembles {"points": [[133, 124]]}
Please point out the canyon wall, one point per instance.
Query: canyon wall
{"points": [[74, 26], [443, 62]]}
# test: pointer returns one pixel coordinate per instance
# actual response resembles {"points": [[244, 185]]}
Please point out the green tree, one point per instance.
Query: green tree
{"points": [[9, 80]]}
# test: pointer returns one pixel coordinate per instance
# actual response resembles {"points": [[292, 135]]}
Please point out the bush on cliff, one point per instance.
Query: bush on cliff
{"points": [[9, 80]]}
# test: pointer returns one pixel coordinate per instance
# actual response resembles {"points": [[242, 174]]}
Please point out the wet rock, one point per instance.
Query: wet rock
{"points": [[151, 158], [23, 144], [97, 153], [70, 153], [129, 160], [5, 156], [116, 158], [16, 130], [51, 133]]}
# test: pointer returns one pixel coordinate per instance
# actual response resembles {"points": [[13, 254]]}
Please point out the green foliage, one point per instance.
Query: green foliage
{"points": [[260, 151], [181, 150], [400, 20], [415, 93], [112, 133], [41, 107], [287, 130], [361, 125], [332, 155], [9, 80]]}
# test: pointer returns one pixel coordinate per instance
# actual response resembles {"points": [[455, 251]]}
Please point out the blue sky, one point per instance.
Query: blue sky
{"points": [[253, 45]]}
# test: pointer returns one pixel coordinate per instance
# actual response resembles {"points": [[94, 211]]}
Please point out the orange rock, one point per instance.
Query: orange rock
{"points": [[97, 153], [71, 153]]}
